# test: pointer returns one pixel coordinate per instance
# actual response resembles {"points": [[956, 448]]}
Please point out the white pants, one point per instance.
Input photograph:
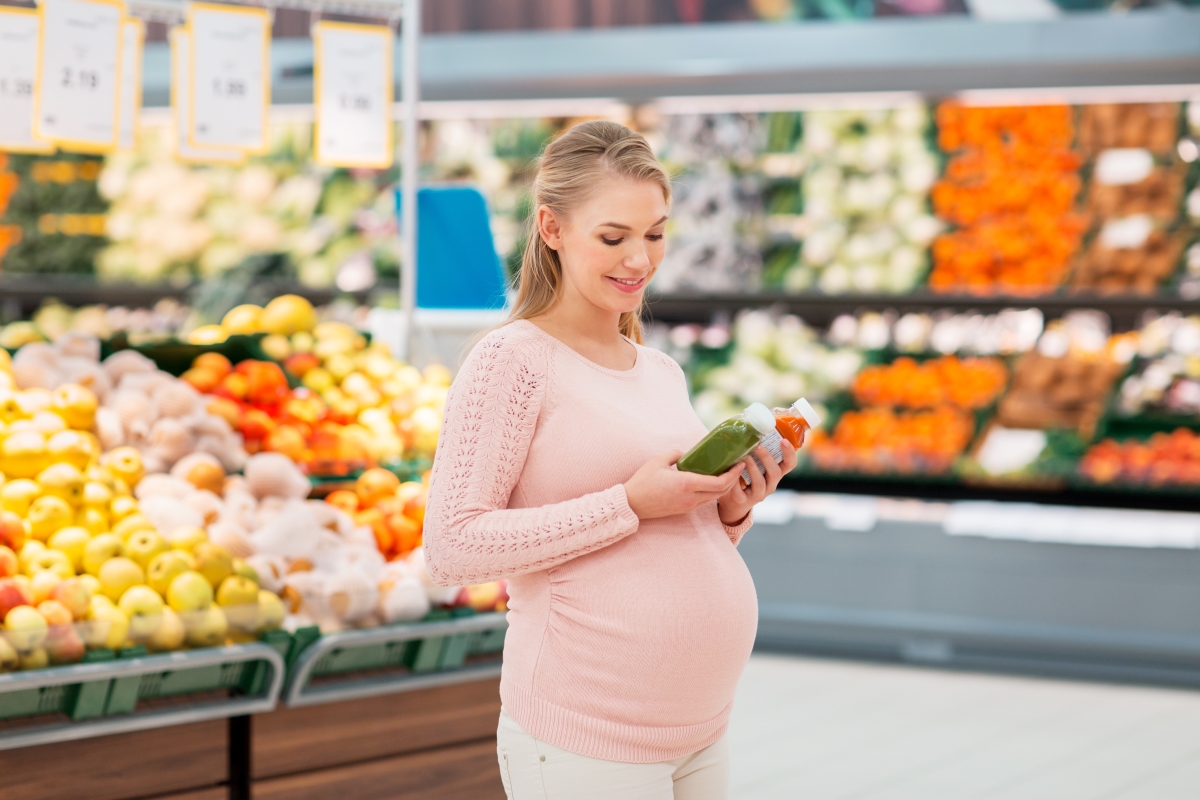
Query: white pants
{"points": [[534, 770]]}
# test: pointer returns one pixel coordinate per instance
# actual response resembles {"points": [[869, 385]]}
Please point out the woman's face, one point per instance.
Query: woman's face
{"points": [[611, 245]]}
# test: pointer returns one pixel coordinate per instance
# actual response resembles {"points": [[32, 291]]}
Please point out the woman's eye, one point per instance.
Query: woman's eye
{"points": [[611, 242], [654, 237]]}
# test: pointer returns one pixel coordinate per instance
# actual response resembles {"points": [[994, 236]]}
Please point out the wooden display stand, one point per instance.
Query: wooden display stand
{"points": [[433, 743]]}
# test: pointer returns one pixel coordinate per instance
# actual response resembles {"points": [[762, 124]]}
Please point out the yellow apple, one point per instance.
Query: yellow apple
{"points": [[72, 541], [99, 550], [25, 628], [144, 608], [170, 633], [143, 546], [270, 611], [119, 574], [163, 569], [190, 591], [206, 627]]}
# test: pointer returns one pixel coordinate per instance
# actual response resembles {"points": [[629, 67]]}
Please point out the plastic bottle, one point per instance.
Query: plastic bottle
{"points": [[791, 424], [729, 442]]}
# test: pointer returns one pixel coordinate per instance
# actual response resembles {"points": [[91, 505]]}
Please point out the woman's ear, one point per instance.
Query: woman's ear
{"points": [[549, 228]]}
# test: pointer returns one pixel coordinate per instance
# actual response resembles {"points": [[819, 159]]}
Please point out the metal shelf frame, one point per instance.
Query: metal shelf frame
{"points": [[300, 691], [57, 731]]}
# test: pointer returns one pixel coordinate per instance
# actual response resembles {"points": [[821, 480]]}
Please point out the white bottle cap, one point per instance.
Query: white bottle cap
{"points": [[808, 412], [760, 417]]}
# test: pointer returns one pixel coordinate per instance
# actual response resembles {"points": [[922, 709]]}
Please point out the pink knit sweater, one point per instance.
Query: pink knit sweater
{"points": [[626, 639]]}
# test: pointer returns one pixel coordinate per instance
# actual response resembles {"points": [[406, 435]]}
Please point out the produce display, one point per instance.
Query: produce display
{"points": [[1166, 378], [967, 383], [882, 440], [1164, 459], [1010, 187], [1066, 392]]}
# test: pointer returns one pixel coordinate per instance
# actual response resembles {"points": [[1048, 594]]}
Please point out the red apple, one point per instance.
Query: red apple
{"points": [[64, 645], [9, 564], [13, 595], [12, 530], [482, 597], [75, 595]]}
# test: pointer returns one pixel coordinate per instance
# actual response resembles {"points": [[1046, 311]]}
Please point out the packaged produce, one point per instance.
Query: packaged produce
{"points": [[729, 442], [1010, 188], [791, 424]]}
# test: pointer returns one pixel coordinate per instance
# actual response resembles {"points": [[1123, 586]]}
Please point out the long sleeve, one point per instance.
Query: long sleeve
{"points": [[471, 536]]}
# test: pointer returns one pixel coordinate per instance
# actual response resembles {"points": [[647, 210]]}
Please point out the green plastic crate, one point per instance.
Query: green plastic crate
{"points": [[85, 700]]}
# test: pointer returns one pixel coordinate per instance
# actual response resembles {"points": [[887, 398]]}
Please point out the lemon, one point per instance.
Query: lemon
{"points": [[207, 334], [243, 319], [288, 314]]}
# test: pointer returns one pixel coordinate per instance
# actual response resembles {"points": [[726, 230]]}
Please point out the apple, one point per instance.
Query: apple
{"points": [[9, 564], [270, 611], [131, 524], [15, 496], [64, 645], [243, 569], [143, 607], [483, 597], [9, 660], [189, 591], [44, 584], [28, 550], [47, 514], [119, 574], [187, 538], [238, 597], [97, 494], [55, 613], [121, 507], [91, 582], [143, 546], [35, 659], [100, 549], [213, 562], [170, 633], [109, 625], [51, 560], [163, 569], [26, 628], [205, 628], [72, 541], [93, 520], [12, 530], [12, 595], [75, 595]]}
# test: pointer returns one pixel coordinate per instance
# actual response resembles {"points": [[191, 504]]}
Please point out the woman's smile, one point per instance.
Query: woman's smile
{"points": [[627, 285]]}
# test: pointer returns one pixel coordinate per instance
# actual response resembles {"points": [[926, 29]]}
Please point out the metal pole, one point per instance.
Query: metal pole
{"points": [[409, 165]]}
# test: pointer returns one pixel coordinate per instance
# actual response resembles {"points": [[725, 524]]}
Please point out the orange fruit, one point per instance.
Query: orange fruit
{"points": [[375, 485]]}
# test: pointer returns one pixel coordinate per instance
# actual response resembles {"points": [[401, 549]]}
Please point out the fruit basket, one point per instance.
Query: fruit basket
{"points": [[446, 647], [127, 691]]}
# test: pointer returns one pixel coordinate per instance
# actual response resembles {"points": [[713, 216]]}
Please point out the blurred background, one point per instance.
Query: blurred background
{"points": [[965, 230]]}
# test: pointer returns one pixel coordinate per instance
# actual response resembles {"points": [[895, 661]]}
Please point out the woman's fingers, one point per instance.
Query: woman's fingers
{"points": [[774, 473], [758, 485], [790, 457]]}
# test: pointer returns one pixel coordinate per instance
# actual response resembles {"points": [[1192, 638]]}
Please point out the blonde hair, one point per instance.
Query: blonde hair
{"points": [[567, 174]]}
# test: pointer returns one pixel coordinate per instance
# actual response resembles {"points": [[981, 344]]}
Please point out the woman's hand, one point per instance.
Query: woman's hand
{"points": [[735, 504], [658, 489]]}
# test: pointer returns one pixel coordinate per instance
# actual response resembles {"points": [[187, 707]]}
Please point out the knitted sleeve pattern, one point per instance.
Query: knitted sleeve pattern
{"points": [[734, 532], [470, 535]]}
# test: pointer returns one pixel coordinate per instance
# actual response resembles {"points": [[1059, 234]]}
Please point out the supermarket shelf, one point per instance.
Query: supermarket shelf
{"points": [[55, 730], [935, 56], [302, 690], [950, 489], [820, 310]]}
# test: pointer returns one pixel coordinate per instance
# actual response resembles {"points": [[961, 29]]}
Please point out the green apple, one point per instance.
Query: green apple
{"points": [[238, 597], [270, 611], [164, 568], [170, 633], [143, 546], [72, 541], [189, 591], [117, 575], [9, 660], [26, 628], [100, 549], [213, 562], [206, 628], [144, 608]]}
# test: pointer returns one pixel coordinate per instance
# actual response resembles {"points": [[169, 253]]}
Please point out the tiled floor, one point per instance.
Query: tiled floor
{"points": [[809, 729]]}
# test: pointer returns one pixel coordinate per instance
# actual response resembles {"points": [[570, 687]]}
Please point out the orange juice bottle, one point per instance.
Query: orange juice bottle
{"points": [[791, 424]]}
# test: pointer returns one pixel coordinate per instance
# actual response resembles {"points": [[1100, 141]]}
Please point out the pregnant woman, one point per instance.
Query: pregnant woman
{"points": [[631, 613]]}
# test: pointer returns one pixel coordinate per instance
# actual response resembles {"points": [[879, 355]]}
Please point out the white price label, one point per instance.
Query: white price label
{"points": [[231, 79], [133, 33], [18, 72], [353, 86], [79, 70], [181, 108]]}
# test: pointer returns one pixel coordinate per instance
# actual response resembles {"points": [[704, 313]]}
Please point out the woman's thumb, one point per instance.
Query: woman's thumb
{"points": [[670, 457]]}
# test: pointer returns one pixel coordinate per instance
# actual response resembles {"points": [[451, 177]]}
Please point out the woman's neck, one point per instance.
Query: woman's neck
{"points": [[592, 332]]}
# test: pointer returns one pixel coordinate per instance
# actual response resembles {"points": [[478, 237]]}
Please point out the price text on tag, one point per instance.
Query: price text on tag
{"points": [[18, 72], [181, 107], [353, 89], [79, 69], [230, 77]]}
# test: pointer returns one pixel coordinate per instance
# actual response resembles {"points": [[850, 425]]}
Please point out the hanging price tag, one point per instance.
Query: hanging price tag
{"points": [[18, 71], [79, 70], [352, 91], [181, 107], [133, 33], [230, 70]]}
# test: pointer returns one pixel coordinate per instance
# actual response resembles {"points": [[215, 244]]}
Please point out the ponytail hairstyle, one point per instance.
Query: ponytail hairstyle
{"points": [[569, 170]]}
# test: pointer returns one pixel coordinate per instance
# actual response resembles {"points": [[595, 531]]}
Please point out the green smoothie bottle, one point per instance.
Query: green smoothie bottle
{"points": [[729, 442]]}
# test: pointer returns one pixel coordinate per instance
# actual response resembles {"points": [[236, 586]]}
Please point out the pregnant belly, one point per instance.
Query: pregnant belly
{"points": [[654, 630]]}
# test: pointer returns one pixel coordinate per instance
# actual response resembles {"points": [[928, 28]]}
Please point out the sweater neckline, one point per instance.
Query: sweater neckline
{"points": [[566, 348]]}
